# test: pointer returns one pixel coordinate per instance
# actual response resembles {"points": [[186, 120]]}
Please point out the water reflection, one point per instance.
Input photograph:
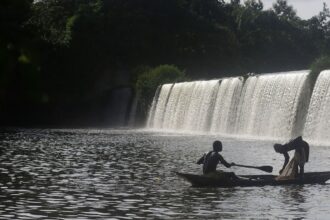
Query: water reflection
{"points": [[104, 174]]}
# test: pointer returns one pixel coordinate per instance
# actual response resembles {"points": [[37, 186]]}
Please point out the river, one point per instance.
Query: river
{"points": [[129, 174]]}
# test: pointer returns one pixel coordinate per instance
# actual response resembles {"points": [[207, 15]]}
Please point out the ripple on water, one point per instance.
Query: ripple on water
{"points": [[113, 174]]}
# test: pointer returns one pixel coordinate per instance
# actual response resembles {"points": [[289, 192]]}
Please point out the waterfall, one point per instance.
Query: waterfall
{"points": [[224, 113], [269, 105], [155, 119], [200, 105], [317, 126], [152, 110], [184, 106]]}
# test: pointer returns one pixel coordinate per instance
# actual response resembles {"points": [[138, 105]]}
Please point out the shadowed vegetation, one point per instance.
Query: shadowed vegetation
{"points": [[148, 81], [59, 59]]}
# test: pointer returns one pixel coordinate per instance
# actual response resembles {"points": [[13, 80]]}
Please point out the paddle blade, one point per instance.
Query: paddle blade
{"points": [[267, 169]]}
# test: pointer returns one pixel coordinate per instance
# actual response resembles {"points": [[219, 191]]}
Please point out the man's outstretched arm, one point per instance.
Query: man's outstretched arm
{"points": [[224, 162]]}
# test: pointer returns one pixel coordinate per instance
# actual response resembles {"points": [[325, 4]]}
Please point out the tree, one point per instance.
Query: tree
{"points": [[20, 77], [52, 19], [69, 52], [150, 78], [285, 11], [324, 20], [254, 5]]}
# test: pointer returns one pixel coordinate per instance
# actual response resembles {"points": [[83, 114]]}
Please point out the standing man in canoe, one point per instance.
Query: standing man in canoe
{"points": [[301, 155], [212, 158]]}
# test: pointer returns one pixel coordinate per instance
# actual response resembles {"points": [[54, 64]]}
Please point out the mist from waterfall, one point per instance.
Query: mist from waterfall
{"points": [[269, 105]]}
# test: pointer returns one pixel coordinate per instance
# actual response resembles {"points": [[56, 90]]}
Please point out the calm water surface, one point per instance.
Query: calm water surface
{"points": [[120, 174]]}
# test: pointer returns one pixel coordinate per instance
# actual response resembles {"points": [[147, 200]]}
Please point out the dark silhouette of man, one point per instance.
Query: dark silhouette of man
{"points": [[213, 158], [301, 155]]}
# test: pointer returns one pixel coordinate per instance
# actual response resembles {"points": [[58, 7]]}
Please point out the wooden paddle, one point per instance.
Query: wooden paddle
{"points": [[267, 169]]}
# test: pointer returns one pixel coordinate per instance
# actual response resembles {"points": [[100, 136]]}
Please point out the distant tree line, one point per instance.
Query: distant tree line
{"points": [[62, 57]]}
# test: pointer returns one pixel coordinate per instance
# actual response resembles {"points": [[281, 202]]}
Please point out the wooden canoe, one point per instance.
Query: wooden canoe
{"points": [[251, 180]]}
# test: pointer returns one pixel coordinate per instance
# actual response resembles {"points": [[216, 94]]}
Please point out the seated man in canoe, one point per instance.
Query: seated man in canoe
{"points": [[212, 158], [301, 154]]}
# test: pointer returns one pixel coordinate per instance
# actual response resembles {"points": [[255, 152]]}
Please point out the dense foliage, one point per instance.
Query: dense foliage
{"points": [[60, 57], [148, 81]]}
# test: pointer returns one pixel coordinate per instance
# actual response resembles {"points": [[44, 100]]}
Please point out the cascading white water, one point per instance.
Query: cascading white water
{"points": [[224, 113], [270, 105], [156, 116], [317, 126], [182, 108], [200, 105], [188, 106], [151, 113]]}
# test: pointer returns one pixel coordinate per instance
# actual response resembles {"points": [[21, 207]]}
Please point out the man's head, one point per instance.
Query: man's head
{"points": [[217, 146], [278, 148]]}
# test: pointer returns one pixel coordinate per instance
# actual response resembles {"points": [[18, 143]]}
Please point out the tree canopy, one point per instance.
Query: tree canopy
{"points": [[57, 53]]}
